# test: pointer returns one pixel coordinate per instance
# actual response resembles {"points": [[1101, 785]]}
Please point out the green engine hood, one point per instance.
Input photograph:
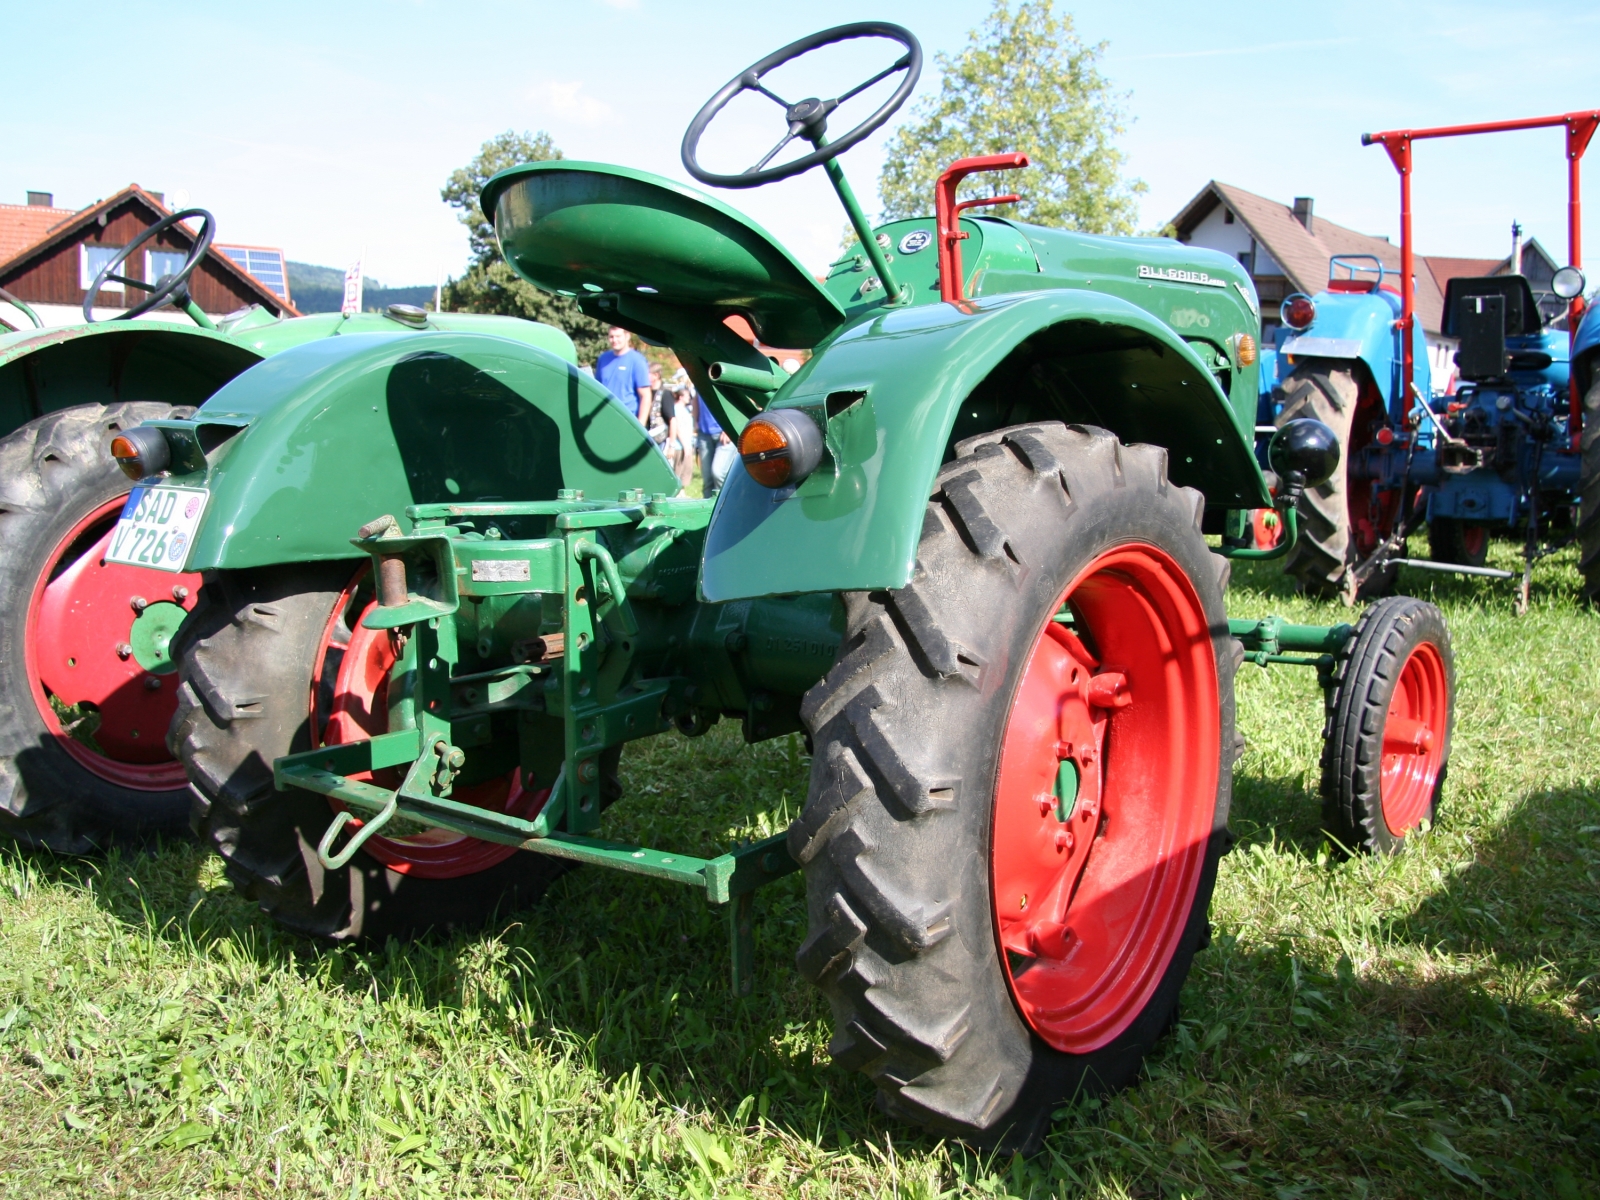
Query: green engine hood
{"points": [[576, 227]]}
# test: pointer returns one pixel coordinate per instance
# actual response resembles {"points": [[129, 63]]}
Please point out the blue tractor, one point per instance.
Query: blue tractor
{"points": [[1509, 453], [1342, 363]]}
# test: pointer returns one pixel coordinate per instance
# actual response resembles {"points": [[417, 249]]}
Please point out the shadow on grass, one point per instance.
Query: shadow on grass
{"points": [[1291, 1068]]}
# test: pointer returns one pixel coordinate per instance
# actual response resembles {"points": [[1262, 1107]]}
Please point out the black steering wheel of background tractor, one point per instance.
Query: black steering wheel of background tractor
{"points": [[168, 286], [808, 118]]}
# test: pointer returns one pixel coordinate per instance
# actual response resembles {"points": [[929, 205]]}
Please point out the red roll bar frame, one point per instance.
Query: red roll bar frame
{"points": [[948, 213], [1580, 127]]}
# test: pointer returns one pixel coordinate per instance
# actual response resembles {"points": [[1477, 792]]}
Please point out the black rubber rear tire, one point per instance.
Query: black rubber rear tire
{"points": [[1352, 748], [55, 471], [1589, 508], [1447, 543], [246, 658], [894, 838], [1325, 552]]}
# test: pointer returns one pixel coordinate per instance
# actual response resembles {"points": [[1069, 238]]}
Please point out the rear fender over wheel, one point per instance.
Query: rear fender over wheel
{"points": [[85, 694], [978, 811]]}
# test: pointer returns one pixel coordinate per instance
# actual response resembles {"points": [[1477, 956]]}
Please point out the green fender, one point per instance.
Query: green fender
{"points": [[305, 447], [42, 370], [897, 391]]}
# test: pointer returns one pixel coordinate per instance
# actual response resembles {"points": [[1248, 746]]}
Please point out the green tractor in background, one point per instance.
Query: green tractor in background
{"points": [[447, 579], [87, 685]]}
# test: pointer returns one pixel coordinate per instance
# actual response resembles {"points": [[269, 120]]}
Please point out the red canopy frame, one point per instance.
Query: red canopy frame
{"points": [[1580, 127]]}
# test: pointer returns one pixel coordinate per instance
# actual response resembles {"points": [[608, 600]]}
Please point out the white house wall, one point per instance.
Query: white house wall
{"points": [[1214, 233]]}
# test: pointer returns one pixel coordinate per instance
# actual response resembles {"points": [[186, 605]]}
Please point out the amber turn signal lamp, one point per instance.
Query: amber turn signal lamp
{"points": [[1245, 347], [141, 452], [780, 447], [1298, 311]]}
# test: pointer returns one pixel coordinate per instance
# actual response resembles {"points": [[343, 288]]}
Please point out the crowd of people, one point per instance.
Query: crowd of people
{"points": [[677, 417]]}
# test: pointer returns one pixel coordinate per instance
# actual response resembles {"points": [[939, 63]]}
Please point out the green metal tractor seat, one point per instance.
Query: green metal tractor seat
{"points": [[579, 228]]}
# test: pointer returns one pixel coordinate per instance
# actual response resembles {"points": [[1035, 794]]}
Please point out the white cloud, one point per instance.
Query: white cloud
{"points": [[568, 100]]}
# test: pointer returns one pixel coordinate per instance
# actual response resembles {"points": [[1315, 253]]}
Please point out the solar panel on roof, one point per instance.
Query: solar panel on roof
{"points": [[266, 265]]}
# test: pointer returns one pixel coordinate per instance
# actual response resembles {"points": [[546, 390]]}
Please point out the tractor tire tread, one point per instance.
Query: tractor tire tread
{"points": [[894, 929], [47, 467]]}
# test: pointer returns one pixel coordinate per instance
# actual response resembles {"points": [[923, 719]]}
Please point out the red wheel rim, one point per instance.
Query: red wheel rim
{"points": [[1413, 739], [80, 626], [360, 709], [1090, 909], [1475, 540]]}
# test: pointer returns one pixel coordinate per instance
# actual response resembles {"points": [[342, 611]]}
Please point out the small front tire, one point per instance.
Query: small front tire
{"points": [[1386, 747]]}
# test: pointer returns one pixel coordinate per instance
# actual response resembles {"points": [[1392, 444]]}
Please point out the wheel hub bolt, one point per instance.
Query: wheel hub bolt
{"points": [[1064, 840], [139, 604], [180, 593], [152, 683], [124, 650]]}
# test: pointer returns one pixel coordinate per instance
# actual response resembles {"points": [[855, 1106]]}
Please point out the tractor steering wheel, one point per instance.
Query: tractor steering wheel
{"points": [[808, 118], [168, 286]]}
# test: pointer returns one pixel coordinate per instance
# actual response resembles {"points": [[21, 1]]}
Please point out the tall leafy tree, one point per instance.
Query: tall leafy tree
{"points": [[489, 285], [1027, 82]]}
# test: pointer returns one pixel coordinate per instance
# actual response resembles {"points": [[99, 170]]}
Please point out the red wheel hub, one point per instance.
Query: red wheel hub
{"points": [[360, 709], [1106, 797], [1413, 739], [1475, 540], [96, 639]]}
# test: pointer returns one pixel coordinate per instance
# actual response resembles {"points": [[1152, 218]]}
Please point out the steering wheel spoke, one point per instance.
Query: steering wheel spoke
{"points": [[753, 84], [794, 132], [137, 283], [901, 65], [807, 118]]}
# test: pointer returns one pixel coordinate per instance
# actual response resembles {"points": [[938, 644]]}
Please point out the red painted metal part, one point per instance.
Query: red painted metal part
{"points": [[1266, 525], [77, 647], [1413, 739], [1089, 909], [1580, 128], [361, 710], [948, 214]]}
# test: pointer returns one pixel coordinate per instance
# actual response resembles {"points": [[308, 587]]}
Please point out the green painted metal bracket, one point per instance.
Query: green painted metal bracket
{"points": [[1274, 641], [1291, 534]]}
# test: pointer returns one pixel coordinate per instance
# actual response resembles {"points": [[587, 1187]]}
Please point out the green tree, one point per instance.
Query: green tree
{"points": [[489, 285], [1027, 82]]}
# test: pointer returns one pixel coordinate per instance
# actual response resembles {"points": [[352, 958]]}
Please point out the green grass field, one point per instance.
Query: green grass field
{"points": [[1413, 1027]]}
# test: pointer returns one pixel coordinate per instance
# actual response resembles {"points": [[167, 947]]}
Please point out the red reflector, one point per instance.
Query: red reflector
{"points": [[1385, 436], [1299, 312]]}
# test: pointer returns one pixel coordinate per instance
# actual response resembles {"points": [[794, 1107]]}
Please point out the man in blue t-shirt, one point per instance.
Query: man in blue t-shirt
{"points": [[625, 373]]}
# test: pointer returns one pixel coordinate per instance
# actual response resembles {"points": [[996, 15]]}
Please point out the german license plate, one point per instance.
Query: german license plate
{"points": [[156, 527]]}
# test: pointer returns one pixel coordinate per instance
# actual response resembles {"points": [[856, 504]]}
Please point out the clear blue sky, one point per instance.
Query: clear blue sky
{"points": [[328, 128]]}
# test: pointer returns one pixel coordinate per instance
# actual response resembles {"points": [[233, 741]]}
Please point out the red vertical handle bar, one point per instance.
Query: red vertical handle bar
{"points": [[1580, 128], [947, 214]]}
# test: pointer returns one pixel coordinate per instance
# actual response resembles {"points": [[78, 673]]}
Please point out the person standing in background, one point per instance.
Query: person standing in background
{"points": [[708, 437], [626, 374], [680, 426]]}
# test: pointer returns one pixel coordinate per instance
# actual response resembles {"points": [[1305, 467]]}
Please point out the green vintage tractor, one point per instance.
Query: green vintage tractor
{"points": [[448, 579], [87, 686]]}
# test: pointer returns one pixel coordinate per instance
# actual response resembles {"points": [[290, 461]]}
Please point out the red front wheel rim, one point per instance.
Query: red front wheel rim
{"points": [[1092, 896], [360, 710], [78, 650], [1413, 740], [1475, 540]]}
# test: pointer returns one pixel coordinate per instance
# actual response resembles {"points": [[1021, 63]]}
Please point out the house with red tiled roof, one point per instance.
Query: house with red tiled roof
{"points": [[49, 256], [1288, 249]]}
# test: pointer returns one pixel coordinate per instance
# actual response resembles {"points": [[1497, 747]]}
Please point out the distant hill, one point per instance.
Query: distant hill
{"points": [[321, 289]]}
